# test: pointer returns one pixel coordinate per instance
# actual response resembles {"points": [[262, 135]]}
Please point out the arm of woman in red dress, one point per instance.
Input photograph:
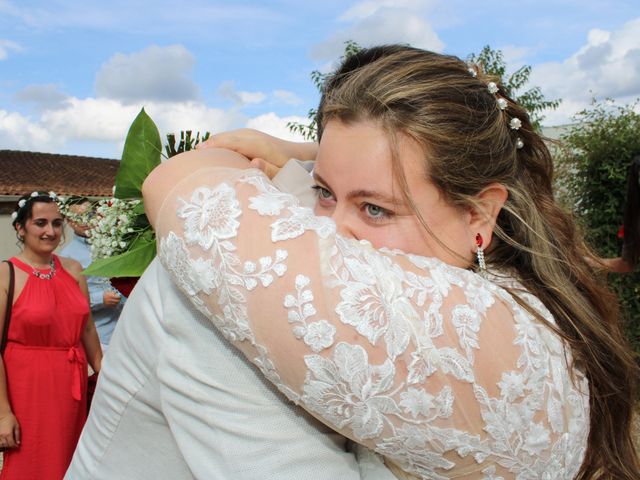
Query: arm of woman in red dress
{"points": [[89, 336], [9, 426]]}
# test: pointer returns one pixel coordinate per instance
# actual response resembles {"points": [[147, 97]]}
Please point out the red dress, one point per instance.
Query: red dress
{"points": [[46, 371]]}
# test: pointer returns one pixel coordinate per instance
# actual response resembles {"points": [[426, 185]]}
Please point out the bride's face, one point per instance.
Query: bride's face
{"points": [[355, 187]]}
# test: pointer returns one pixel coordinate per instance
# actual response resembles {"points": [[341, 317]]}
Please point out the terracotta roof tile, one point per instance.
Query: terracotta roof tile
{"points": [[23, 172]]}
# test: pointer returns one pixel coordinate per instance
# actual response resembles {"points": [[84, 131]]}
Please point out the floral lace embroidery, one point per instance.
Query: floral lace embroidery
{"points": [[535, 423]]}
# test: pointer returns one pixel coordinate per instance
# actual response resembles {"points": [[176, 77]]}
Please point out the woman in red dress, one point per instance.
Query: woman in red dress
{"points": [[43, 372]]}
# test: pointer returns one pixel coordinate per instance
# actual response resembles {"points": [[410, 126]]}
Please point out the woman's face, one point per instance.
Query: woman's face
{"points": [[43, 231], [355, 186]]}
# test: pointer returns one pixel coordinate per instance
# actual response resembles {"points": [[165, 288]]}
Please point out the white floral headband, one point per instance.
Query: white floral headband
{"points": [[21, 204]]}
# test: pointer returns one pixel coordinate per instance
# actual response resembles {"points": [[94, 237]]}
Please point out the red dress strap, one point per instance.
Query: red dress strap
{"points": [[21, 265], [29, 269]]}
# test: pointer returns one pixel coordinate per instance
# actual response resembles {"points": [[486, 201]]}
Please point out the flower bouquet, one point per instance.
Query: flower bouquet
{"points": [[122, 241]]}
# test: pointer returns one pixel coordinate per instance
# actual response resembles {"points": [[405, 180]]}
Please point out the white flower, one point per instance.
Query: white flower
{"points": [[493, 88], [210, 215], [473, 72], [537, 439], [22, 203], [347, 391], [519, 143], [110, 226], [268, 203], [14, 215], [515, 123], [204, 274], [34, 194], [511, 386], [376, 304], [319, 335], [502, 103], [416, 402], [53, 195]]}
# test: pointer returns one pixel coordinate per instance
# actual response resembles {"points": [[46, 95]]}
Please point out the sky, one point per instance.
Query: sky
{"points": [[75, 73]]}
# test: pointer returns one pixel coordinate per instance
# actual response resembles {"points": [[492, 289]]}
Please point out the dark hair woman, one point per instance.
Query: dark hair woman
{"points": [[43, 372]]}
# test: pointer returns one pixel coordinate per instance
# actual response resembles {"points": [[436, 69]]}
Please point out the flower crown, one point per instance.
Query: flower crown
{"points": [[24, 201], [514, 123]]}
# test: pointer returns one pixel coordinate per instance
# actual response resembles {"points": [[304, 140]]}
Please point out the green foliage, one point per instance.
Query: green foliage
{"points": [[131, 263], [309, 131], [492, 62], [141, 154], [186, 142], [592, 179]]}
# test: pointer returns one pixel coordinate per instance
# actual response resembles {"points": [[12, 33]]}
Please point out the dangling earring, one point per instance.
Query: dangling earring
{"points": [[482, 267]]}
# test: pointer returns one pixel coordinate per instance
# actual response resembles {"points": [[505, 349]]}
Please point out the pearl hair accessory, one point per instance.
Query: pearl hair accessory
{"points": [[515, 123]]}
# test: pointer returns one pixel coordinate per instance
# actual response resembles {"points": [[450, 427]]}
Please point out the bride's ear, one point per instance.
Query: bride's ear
{"points": [[484, 214]]}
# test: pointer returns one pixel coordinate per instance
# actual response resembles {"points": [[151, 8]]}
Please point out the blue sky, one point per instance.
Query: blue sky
{"points": [[74, 73]]}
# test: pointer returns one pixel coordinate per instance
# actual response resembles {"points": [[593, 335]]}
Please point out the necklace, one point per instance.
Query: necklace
{"points": [[44, 276]]}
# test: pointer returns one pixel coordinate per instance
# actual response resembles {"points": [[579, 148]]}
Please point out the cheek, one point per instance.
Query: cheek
{"points": [[321, 210], [406, 234]]}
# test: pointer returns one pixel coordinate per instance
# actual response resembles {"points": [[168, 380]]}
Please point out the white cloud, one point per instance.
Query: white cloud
{"points": [[379, 22], [514, 56], [274, 125], [44, 97], [287, 97], [365, 9], [104, 123], [608, 65], [155, 73], [7, 46], [240, 98], [18, 132]]}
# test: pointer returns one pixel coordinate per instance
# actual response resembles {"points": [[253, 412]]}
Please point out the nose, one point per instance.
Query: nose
{"points": [[50, 230], [343, 222]]}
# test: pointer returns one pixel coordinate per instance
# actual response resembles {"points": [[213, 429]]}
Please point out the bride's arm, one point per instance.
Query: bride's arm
{"points": [[426, 363], [169, 173]]}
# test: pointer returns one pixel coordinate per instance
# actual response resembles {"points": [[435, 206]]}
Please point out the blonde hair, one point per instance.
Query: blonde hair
{"points": [[436, 101]]}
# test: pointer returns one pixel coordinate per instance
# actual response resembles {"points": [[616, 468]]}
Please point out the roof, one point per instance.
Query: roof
{"points": [[23, 172]]}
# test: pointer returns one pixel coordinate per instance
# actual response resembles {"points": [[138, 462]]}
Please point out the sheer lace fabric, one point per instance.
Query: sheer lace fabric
{"points": [[432, 366]]}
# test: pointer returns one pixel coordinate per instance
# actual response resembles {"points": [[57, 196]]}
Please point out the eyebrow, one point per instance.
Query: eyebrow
{"points": [[363, 193], [35, 219]]}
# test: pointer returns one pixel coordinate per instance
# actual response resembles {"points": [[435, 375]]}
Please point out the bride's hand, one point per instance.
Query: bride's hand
{"points": [[266, 152]]}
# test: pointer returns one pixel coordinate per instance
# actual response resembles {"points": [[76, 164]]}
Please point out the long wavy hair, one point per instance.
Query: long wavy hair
{"points": [[450, 112]]}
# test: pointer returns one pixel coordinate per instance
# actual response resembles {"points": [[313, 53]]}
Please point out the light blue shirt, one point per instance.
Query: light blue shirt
{"points": [[104, 317]]}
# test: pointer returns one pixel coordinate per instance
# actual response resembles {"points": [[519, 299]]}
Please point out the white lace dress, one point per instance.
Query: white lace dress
{"points": [[432, 366]]}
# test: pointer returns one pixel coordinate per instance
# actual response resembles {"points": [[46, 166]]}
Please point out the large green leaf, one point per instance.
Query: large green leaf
{"points": [[141, 154], [132, 263]]}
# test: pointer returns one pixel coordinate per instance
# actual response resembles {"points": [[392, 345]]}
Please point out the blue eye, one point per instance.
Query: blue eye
{"points": [[374, 211], [322, 193], [376, 214]]}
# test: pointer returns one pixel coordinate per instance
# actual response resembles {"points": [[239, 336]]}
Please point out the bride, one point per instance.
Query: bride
{"points": [[438, 307]]}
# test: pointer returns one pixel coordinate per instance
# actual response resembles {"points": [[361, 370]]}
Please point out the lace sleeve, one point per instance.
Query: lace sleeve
{"points": [[436, 368]]}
